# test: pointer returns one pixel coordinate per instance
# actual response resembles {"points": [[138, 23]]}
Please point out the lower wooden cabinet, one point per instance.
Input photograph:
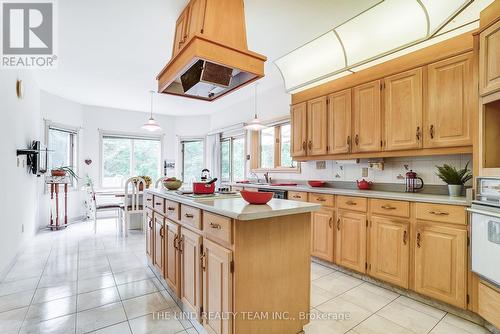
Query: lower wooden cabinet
{"points": [[159, 244], [389, 250], [350, 240], [322, 234], [172, 257], [149, 235], [441, 262], [217, 288], [191, 244]]}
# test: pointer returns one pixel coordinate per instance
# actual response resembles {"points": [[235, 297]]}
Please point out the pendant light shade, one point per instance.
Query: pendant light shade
{"points": [[255, 124], [151, 124]]}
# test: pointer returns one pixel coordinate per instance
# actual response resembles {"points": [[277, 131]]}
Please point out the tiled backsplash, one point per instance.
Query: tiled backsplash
{"points": [[425, 167]]}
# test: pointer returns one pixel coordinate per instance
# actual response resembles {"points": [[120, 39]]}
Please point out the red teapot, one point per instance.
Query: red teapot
{"points": [[364, 185]]}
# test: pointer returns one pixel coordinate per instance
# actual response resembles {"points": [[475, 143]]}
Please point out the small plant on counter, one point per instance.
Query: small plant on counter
{"points": [[454, 178], [63, 171], [147, 180]]}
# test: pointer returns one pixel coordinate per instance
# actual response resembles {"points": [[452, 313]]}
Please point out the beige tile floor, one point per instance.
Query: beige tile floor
{"points": [[73, 281]]}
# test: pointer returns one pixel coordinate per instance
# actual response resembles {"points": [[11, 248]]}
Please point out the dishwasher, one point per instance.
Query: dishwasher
{"points": [[282, 194]]}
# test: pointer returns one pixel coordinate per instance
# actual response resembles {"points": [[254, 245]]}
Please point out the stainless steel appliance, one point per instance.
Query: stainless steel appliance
{"points": [[282, 194], [485, 230]]}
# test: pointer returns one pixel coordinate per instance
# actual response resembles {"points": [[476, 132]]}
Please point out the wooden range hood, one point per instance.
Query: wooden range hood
{"points": [[210, 56]]}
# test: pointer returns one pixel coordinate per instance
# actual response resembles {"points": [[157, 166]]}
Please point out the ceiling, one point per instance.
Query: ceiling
{"points": [[109, 52]]}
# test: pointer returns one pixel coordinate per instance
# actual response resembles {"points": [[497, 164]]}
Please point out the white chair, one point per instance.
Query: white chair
{"points": [[132, 203], [160, 181], [93, 207]]}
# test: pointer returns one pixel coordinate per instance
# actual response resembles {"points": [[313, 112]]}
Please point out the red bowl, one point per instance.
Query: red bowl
{"points": [[314, 183], [255, 197]]}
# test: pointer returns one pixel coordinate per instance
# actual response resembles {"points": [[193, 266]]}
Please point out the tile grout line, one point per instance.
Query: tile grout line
{"points": [[437, 323]]}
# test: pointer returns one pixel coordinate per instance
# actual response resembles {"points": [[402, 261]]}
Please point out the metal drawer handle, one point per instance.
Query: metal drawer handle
{"points": [[388, 207], [319, 199], [180, 244], [188, 215], [330, 222], [439, 213], [338, 224], [351, 203], [176, 244], [404, 237], [418, 240], [158, 203], [162, 232], [148, 199], [214, 225], [296, 196], [431, 131], [304, 145], [356, 140], [310, 144], [170, 208], [418, 132], [150, 224]]}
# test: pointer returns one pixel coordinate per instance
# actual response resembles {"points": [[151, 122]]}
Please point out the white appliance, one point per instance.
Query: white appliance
{"points": [[485, 231]]}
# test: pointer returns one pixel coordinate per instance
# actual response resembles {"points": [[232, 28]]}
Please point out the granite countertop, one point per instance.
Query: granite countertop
{"points": [[412, 197], [237, 208]]}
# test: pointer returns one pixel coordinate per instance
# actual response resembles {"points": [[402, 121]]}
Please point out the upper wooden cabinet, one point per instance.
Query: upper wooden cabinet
{"points": [[317, 126], [403, 110], [367, 117], [448, 111], [339, 122], [441, 262], [298, 119], [322, 234], [350, 249], [181, 31], [196, 21], [489, 59]]}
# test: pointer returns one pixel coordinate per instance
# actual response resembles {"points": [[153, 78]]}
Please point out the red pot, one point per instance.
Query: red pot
{"points": [[200, 188], [314, 183], [58, 172], [255, 197], [364, 185]]}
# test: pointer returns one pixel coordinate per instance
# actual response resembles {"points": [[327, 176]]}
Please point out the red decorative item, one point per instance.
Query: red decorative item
{"points": [[202, 188], [364, 185], [314, 183], [58, 172], [255, 197], [88, 161]]}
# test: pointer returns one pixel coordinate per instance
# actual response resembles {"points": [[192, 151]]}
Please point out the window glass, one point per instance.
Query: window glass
{"points": [[60, 145], [192, 163], [226, 160], [238, 159], [267, 148], [116, 156], [147, 158], [285, 141]]}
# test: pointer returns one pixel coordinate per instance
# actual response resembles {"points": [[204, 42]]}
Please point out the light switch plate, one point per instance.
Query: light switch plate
{"points": [[364, 172], [320, 164]]}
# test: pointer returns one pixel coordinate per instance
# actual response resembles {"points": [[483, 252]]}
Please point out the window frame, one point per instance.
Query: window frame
{"points": [[131, 136], [256, 151], [183, 140], [231, 140]]}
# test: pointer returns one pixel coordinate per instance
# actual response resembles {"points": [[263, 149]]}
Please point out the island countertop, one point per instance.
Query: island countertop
{"points": [[237, 208]]}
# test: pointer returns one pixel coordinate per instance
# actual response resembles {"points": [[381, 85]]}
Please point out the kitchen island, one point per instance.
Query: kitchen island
{"points": [[235, 267]]}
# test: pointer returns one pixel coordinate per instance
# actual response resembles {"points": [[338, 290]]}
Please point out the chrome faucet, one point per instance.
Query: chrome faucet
{"points": [[256, 176], [266, 176]]}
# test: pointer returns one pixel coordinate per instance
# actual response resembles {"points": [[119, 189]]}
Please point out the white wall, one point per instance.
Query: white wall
{"points": [[20, 123]]}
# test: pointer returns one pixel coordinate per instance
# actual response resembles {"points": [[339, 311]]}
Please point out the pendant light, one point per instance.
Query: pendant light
{"points": [[255, 124], [151, 124]]}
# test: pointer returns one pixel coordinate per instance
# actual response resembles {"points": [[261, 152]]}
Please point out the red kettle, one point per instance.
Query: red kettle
{"points": [[364, 185]]}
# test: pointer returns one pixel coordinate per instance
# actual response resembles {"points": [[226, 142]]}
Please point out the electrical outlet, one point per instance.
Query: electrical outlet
{"points": [[320, 164], [364, 172]]}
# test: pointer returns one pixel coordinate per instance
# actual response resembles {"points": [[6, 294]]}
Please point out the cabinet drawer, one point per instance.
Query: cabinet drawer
{"points": [[489, 304], [351, 203], [159, 204], [323, 199], [173, 210], [217, 228], [191, 216], [390, 208], [442, 213], [297, 196], [148, 199]]}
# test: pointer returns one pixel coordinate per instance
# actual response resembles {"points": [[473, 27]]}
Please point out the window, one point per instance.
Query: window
{"points": [[62, 143], [233, 159], [124, 157], [273, 149], [192, 160]]}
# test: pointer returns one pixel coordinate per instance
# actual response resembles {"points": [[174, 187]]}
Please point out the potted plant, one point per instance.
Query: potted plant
{"points": [[147, 181], [63, 171], [455, 179]]}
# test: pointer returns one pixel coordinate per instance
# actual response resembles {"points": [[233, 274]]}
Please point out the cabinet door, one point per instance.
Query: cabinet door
{"points": [[403, 111], [172, 260], [389, 250], [217, 287], [322, 234], [489, 59], [339, 122], [367, 118], [449, 104], [180, 36], [150, 227], [441, 263], [316, 126], [196, 17], [298, 119], [159, 244], [351, 240], [191, 270]]}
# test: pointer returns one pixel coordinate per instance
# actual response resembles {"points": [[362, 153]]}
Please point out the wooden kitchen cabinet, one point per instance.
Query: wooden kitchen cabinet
{"points": [[489, 59], [196, 17], [159, 244], [172, 258], [367, 117], [298, 120], [181, 32], [389, 250], [441, 262], [322, 234], [150, 227], [350, 240], [217, 287], [450, 102], [339, 122], [317, 126], [191, 244], [403, 111]]}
